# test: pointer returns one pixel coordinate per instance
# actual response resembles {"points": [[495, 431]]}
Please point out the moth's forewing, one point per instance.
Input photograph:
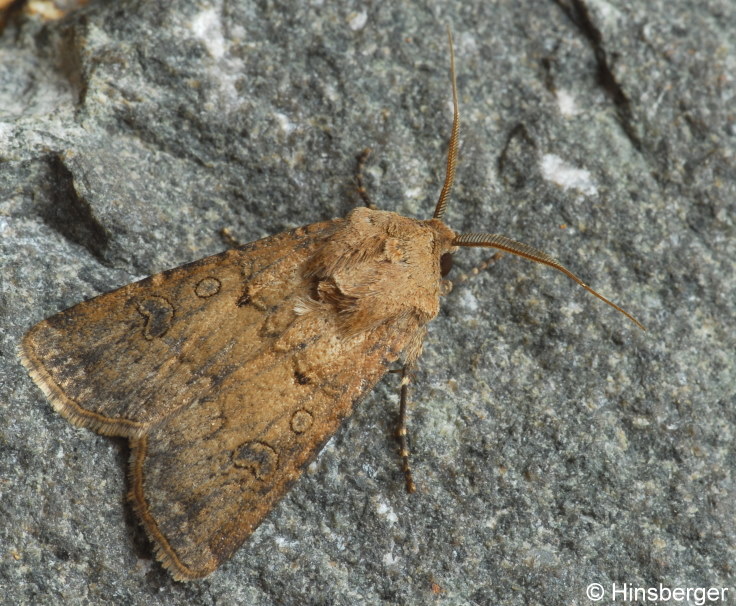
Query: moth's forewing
{"points": [[124, 360]]}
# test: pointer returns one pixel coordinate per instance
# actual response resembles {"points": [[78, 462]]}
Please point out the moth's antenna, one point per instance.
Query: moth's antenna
{"points": [[439, 210], [495, 240], [528, 252]]}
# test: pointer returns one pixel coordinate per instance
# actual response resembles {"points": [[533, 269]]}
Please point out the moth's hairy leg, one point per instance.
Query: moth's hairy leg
{"points": [[229, 239], [464, 277], [402, 431], [360, 180]]}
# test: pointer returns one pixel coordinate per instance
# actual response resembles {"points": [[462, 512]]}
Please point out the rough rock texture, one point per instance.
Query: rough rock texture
{"points": [[554, 444]]}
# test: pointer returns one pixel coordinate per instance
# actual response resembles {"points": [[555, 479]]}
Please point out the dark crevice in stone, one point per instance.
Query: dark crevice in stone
{"points": [[578, 13], [68, 213]]}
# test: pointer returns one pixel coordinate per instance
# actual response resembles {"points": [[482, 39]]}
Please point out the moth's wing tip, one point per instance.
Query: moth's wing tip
{"points": [[166, 555], [163, 550], [41, 377], [175, 567], [65, 406]]}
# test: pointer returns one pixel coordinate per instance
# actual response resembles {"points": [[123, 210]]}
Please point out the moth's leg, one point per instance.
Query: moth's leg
{"points": [[478, 268], [360, 181], [229, 239], [401, 430]]}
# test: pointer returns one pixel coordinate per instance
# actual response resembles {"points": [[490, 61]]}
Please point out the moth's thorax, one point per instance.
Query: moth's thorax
{"points": [[379, 266]]}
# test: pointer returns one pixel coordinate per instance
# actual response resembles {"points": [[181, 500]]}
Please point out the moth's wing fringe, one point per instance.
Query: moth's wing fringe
{"points": [[163, 550], [67, 407]]}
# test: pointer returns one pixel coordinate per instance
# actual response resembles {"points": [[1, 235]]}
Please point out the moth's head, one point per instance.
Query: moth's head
{"points": [[379, 265], [445, 246], [424, 247], [421, 248]]}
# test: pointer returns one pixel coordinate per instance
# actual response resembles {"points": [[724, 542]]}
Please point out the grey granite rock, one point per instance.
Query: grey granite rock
{"points": [[555, 445]]}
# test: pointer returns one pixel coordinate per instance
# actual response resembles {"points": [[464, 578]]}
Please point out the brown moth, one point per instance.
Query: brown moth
{"points": [[227, 375]]}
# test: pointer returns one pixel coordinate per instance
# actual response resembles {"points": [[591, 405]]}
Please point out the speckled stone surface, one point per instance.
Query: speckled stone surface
{"points": [[554, 444]]}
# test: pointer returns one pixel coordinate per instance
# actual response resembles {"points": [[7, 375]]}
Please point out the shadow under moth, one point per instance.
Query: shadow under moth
{"points": [[227, 375]]}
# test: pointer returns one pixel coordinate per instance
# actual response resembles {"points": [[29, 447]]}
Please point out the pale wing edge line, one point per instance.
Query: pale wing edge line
{"points": [[64, 405]]}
